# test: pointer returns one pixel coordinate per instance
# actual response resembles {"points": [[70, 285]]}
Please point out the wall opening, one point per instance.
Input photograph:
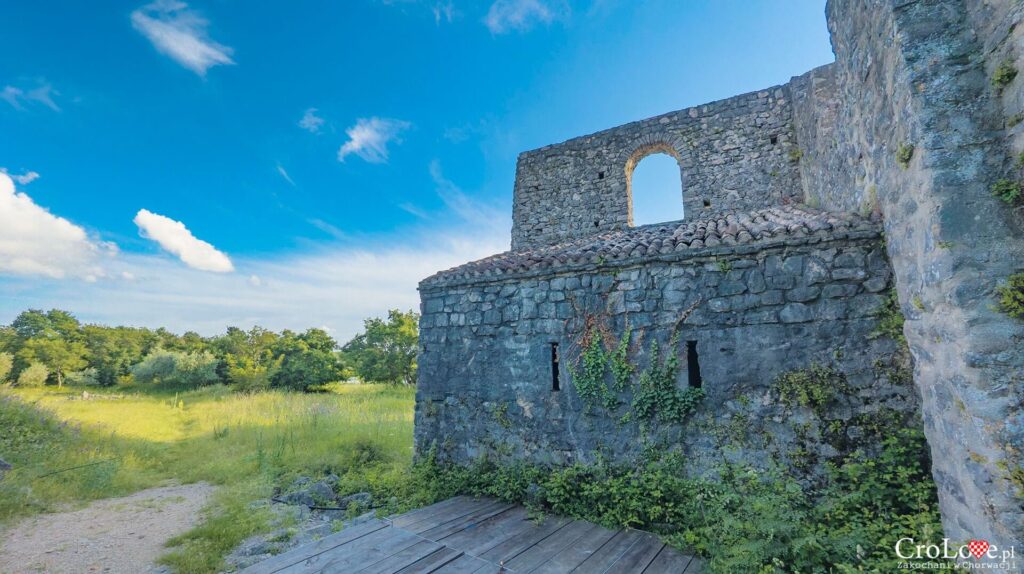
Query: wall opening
{"points": [[693, 365], [555, 386], [654, 185]]}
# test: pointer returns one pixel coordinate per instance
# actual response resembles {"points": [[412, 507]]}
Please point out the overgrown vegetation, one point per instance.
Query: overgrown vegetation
{"points": [[1004, 75], [815, 387], [796, 154], [745, 520], [890, 320], [904, 153], [656, 395], [1011, 296], [1007, 190]]}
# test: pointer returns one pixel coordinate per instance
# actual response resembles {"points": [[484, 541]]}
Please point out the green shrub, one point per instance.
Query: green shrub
{"points": [[796, 154], [6, 364], [1007, 190], [904, 153], [815, 387], [175, 368], [34, 375], [890, 320], [1011, 296], [1004, 75], [747, 520]]}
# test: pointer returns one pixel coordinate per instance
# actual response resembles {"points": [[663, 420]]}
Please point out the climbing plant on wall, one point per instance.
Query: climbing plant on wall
{"points": [[604, 370]]}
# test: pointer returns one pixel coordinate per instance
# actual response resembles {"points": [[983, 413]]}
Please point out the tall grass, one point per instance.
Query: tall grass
{"points": [[246, 444]]}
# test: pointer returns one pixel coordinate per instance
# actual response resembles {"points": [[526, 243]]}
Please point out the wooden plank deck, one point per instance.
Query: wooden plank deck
{"points": [[464, 535]]}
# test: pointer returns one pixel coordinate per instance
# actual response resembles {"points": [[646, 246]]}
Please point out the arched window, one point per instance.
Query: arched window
{"points": [[655, 186]]}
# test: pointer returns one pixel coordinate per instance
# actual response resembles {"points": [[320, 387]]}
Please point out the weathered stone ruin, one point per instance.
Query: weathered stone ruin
{"points": [[806, 205]]}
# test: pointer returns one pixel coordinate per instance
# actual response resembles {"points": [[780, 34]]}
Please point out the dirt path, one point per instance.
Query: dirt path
{"points": [[112, 536]]}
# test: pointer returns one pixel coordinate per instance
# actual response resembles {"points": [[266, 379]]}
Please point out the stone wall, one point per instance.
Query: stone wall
{"points": [[754, 312], [732, 154], [918, 73]]}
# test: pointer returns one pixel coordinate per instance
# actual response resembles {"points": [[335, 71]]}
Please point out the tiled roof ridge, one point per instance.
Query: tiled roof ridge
{"points": [[680, 238]]}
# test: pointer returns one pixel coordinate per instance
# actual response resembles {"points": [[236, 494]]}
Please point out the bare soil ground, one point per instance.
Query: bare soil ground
{"points": [[112, 536]]}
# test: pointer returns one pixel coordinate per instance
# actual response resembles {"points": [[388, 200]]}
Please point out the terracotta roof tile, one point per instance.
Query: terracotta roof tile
{"points": [[679, 237]]}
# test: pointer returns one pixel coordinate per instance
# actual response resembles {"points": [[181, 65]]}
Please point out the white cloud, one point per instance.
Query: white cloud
{"points": [[521, 15], [175, 238], [311, 122], [20, 98], [180, 33], [34, 242], [23, 179], [369, 138], [335, 283], [284, 174]]}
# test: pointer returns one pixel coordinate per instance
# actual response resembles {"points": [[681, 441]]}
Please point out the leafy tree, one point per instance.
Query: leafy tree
{"points": [[386, 351], [177, 368], [86, 377], [34, 375], [6, 364], [307, 360], [248, 357], [59, 355]]}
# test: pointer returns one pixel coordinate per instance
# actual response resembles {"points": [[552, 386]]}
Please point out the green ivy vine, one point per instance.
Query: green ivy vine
{"points": [[655, 394]]}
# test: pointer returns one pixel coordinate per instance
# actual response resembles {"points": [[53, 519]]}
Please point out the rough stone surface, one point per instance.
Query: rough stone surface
{"points": [[906, 73], [487, 388], [732, 154]]}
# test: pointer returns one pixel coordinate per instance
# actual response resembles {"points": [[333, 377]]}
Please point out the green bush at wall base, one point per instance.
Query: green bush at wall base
{"points": [[748, 520]]}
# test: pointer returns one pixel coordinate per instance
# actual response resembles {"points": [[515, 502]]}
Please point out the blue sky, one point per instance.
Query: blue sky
{"points": [[300, 164]]}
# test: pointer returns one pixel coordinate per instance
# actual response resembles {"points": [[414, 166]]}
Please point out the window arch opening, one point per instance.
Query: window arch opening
{"points": [[655, 186]]}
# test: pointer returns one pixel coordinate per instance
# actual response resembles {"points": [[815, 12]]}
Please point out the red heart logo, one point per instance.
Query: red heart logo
{"points": [[978, 547]]}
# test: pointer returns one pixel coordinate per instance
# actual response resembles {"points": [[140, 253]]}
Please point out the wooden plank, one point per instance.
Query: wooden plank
{"points": [[638, 557], [403, 558], [467, 506], [669, 561], [421, 513], [545, 549], [576, 553], [598, 562], [519, 543], [459, 524], [360, 553], [464, 564], [485, 530], [476, 539], [696, 566], [306, 551], [431, 562]]}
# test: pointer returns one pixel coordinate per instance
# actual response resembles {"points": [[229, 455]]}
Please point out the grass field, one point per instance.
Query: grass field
{"points": [[67, 449]]}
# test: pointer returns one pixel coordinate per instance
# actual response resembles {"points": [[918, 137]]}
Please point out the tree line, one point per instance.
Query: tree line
{"points": [[54, 347]]}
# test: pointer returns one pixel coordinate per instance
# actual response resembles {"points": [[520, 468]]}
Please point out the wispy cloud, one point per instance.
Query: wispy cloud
{"points": [[369, 138], [444, 12], [521, 15], [327, 228], [21, 98], [311, 122], [23, 179], [284, 173], [34, 242], [181, 34], [175, 238]]}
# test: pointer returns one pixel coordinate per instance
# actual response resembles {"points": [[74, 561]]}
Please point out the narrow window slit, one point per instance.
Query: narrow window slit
{"points": [[774, 140], [600, 175], [693, 365], [554, 367]]}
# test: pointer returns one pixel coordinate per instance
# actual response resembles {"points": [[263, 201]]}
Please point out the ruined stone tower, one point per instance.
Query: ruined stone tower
{"points": [[805, 204]]}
